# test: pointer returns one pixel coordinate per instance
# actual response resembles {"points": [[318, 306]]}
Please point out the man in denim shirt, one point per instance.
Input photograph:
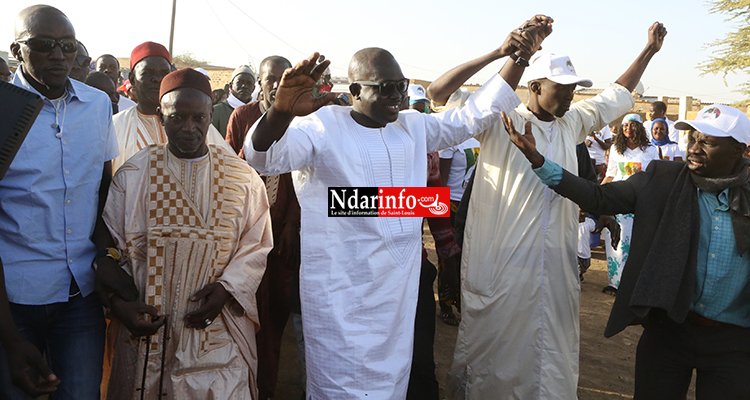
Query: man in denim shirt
{"points": [[50, 210]]}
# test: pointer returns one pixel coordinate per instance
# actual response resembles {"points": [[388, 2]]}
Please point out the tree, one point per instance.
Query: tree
{"points": [[188, 59], [732, 53]]}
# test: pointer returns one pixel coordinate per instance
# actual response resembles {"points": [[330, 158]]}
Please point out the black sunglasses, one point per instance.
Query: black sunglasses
{"points": [[387, 88], [45, 45], [83, 61]]}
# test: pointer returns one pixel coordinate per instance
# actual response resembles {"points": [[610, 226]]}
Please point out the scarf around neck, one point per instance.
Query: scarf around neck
{"points": [[233, 101], [739, 199], [662, 142]]}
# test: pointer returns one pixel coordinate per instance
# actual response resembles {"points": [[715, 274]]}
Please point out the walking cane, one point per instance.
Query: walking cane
{"points": [[164, 339], [142, 389]]}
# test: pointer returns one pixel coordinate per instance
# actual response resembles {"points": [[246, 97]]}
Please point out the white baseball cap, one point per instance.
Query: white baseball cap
{"points": [[417, 93], [558, 69], [632, 117], [720, 121]]}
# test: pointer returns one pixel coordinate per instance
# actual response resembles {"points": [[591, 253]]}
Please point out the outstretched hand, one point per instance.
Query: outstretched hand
{"points": [[295, 93], [656, 34], [526, 142]]}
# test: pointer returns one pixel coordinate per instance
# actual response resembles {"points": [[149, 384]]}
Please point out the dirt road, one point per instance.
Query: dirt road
{"points": [[606, 365]]}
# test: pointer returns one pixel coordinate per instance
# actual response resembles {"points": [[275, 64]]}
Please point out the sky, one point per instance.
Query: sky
{"points": [[426, 37]]}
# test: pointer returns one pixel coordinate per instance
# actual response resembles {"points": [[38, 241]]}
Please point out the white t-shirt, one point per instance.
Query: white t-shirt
{"points": [[622, 166], [596, 152], [464, 158], [670, 151], [584, 236]]}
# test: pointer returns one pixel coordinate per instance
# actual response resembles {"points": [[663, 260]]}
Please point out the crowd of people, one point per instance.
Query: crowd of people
{"points": [[157, 235]]}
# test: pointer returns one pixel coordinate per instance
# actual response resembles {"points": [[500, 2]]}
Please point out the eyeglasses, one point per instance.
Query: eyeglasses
{"points": [[387, 88], [83, 61], [45, 45]]}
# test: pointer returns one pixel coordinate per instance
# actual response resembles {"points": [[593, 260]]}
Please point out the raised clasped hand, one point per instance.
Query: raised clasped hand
{"points": [[527, 38], [295, 94]]}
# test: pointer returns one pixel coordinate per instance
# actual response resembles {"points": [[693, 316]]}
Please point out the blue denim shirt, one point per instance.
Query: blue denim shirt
{"points": [[722, 290], [49, 196]]}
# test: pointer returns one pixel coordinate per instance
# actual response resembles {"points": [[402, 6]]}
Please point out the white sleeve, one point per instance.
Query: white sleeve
{"points": [[606, 133], [295, 150], [481, 110], [592, 114], [447, 154]]}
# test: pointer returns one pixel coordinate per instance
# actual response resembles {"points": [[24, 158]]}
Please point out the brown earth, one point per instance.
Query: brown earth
{"points": [[606, 365]]}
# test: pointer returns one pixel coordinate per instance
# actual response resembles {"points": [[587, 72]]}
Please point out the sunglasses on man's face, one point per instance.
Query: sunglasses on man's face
{"points": [[387, 88], [83, 61], [45, 45]]}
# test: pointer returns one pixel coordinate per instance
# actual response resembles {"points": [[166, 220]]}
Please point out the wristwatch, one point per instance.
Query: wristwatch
{"points": [[110, 252], [113, 253], [520, 61]]}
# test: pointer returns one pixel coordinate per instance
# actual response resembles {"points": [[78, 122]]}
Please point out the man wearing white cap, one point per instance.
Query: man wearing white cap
{"points": [[687, 279], [240, 93], [519, 331], [418, 99]]}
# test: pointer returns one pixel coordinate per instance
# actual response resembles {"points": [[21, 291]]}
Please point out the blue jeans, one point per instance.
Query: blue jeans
{"points": [[71, 336]]}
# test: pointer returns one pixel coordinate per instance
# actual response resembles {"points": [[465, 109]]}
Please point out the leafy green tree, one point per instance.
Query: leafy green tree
{"points": [[188, 59], [732, 53]]}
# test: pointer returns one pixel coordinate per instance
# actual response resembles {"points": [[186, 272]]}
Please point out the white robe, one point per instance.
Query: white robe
{"points": [[519, 332], [136, 131], [359, 276]]}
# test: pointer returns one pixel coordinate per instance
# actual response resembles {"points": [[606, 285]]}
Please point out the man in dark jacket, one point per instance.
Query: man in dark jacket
{"points": [[241, 93], [687, 279]]}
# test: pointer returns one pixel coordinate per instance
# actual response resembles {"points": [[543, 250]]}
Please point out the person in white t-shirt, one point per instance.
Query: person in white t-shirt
{"points": [[456, 166], [586, 225], [668, 150], [632, 153], [598, 142]]}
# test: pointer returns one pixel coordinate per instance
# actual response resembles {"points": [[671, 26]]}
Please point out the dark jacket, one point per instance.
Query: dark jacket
{"points": [[222, 112], [644, 194]]}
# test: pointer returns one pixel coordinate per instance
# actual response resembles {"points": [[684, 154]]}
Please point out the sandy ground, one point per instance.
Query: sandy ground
{"points": [[606, 365]]}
